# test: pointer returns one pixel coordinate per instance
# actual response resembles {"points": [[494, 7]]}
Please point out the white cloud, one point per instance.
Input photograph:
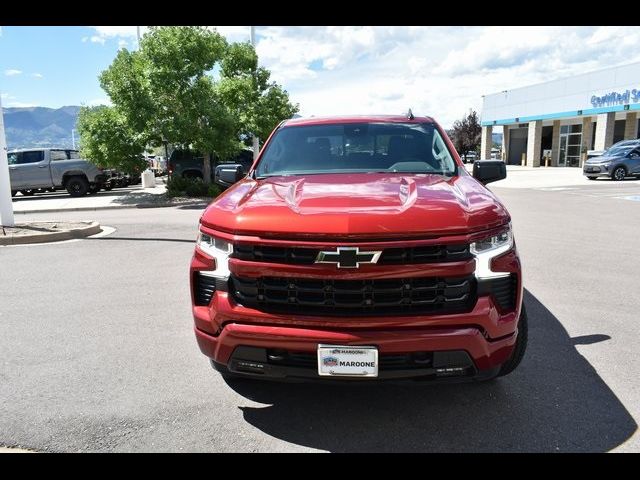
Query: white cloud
{"points": [[438, 71], [122, 43], [37, 75], [112, 31], [235, 34], [12, 72], [94, 39]]}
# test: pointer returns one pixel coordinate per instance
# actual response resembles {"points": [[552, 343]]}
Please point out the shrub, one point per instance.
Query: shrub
{"points": [[191, 187]]}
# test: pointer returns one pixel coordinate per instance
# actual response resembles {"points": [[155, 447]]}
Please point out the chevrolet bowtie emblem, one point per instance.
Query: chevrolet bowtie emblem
{"points": [[348, 257]]}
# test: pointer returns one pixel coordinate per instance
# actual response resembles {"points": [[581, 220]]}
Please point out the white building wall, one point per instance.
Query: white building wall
{"points": [[564, 95]]}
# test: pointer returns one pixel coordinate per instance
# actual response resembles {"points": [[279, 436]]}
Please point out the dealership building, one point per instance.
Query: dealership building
{"points": [[557, 122]]}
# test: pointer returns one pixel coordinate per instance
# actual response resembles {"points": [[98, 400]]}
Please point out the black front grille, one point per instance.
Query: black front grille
{"points": [[265, 253], [504, 290], [203, 288], [355, 297], [390, 256]]}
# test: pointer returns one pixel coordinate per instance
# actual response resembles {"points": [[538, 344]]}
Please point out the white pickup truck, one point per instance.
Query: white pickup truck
{"points": [[46, 169]]}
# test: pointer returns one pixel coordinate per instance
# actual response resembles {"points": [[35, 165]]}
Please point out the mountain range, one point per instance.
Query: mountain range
{"points": [[27, 127]]}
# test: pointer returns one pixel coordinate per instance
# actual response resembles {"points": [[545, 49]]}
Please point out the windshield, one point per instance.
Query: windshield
{"points": [[618, 151], [356, 148]]}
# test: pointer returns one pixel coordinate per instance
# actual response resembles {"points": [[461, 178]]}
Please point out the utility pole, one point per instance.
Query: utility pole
{"points": [[6, 207], [138, 31], [256, 140], [73, 138]]}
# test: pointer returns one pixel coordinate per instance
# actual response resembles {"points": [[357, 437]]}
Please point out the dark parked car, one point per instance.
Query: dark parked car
{"points": [[619, 161], [188, 164]]}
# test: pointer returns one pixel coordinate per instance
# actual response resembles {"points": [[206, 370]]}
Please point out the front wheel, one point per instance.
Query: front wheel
{"points": [[619, 173], [77, 186], [520, 348]]}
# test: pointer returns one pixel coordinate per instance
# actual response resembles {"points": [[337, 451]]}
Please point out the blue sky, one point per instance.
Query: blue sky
{"points": [[52, 66], [438, 71]]}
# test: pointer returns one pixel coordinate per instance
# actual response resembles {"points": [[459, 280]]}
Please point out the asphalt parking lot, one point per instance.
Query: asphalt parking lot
{"points": [[98, 352]]}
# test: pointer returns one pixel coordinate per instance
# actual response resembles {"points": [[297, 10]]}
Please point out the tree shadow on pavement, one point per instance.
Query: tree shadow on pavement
{"points": [[555, 401]]}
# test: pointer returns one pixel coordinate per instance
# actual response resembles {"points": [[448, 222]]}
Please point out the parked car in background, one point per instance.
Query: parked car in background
{"points": [[157, 164], [470, 157], [36, 170], [619, 161], [189, 164]]}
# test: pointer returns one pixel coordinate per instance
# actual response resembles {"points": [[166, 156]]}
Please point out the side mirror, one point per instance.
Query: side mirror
{"points": [[227, 175], [487, 171]]}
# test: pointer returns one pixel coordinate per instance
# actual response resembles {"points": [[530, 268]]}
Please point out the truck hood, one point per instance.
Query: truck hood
{"points": [[368, 204]]}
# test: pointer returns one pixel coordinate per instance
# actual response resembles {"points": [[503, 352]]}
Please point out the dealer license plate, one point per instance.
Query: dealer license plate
{"points": [[347, 361]]}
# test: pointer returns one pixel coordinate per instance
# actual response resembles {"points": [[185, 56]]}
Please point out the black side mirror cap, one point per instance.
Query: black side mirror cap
{"points": [[228, 174], [487, 171]]}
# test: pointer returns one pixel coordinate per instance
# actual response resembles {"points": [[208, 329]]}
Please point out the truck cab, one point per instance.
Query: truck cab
{"points": [[48, 169]]}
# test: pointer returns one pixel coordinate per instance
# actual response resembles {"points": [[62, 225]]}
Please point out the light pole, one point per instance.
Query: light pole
{"points": [[256, 140], [6, 207], [73, 138], [138, 32]]}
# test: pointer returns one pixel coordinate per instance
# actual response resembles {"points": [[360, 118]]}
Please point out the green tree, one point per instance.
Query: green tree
{"points": [[107, 139], [466, 133], [258, 104], [167, 90]]}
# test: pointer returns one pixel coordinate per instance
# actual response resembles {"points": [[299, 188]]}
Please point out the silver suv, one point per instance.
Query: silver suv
{"points": [[619, 161]]}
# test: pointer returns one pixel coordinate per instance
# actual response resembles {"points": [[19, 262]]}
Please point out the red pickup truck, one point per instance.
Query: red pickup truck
{"points": [[358, 249]]}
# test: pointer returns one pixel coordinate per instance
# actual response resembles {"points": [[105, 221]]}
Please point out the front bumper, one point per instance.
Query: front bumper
{"points": [[471, 344], [468, 333], [100, 179], [596, 170]]}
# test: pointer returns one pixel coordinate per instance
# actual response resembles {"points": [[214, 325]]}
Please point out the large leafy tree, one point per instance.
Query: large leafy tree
{"points": [[109, 141], [187, 86], [466, 133], [258, 104]]}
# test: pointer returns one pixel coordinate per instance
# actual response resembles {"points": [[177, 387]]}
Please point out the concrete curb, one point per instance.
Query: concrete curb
{"points": [[112, 207], [91, 229], [14, 450]]}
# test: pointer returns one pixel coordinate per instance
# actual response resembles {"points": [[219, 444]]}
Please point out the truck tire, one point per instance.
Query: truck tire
{"points": [[520, 348], [77, 186]]}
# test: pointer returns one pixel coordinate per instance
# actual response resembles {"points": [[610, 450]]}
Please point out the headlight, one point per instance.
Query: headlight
{"points": [[487, 249], [493, 242], [219, 249]]}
